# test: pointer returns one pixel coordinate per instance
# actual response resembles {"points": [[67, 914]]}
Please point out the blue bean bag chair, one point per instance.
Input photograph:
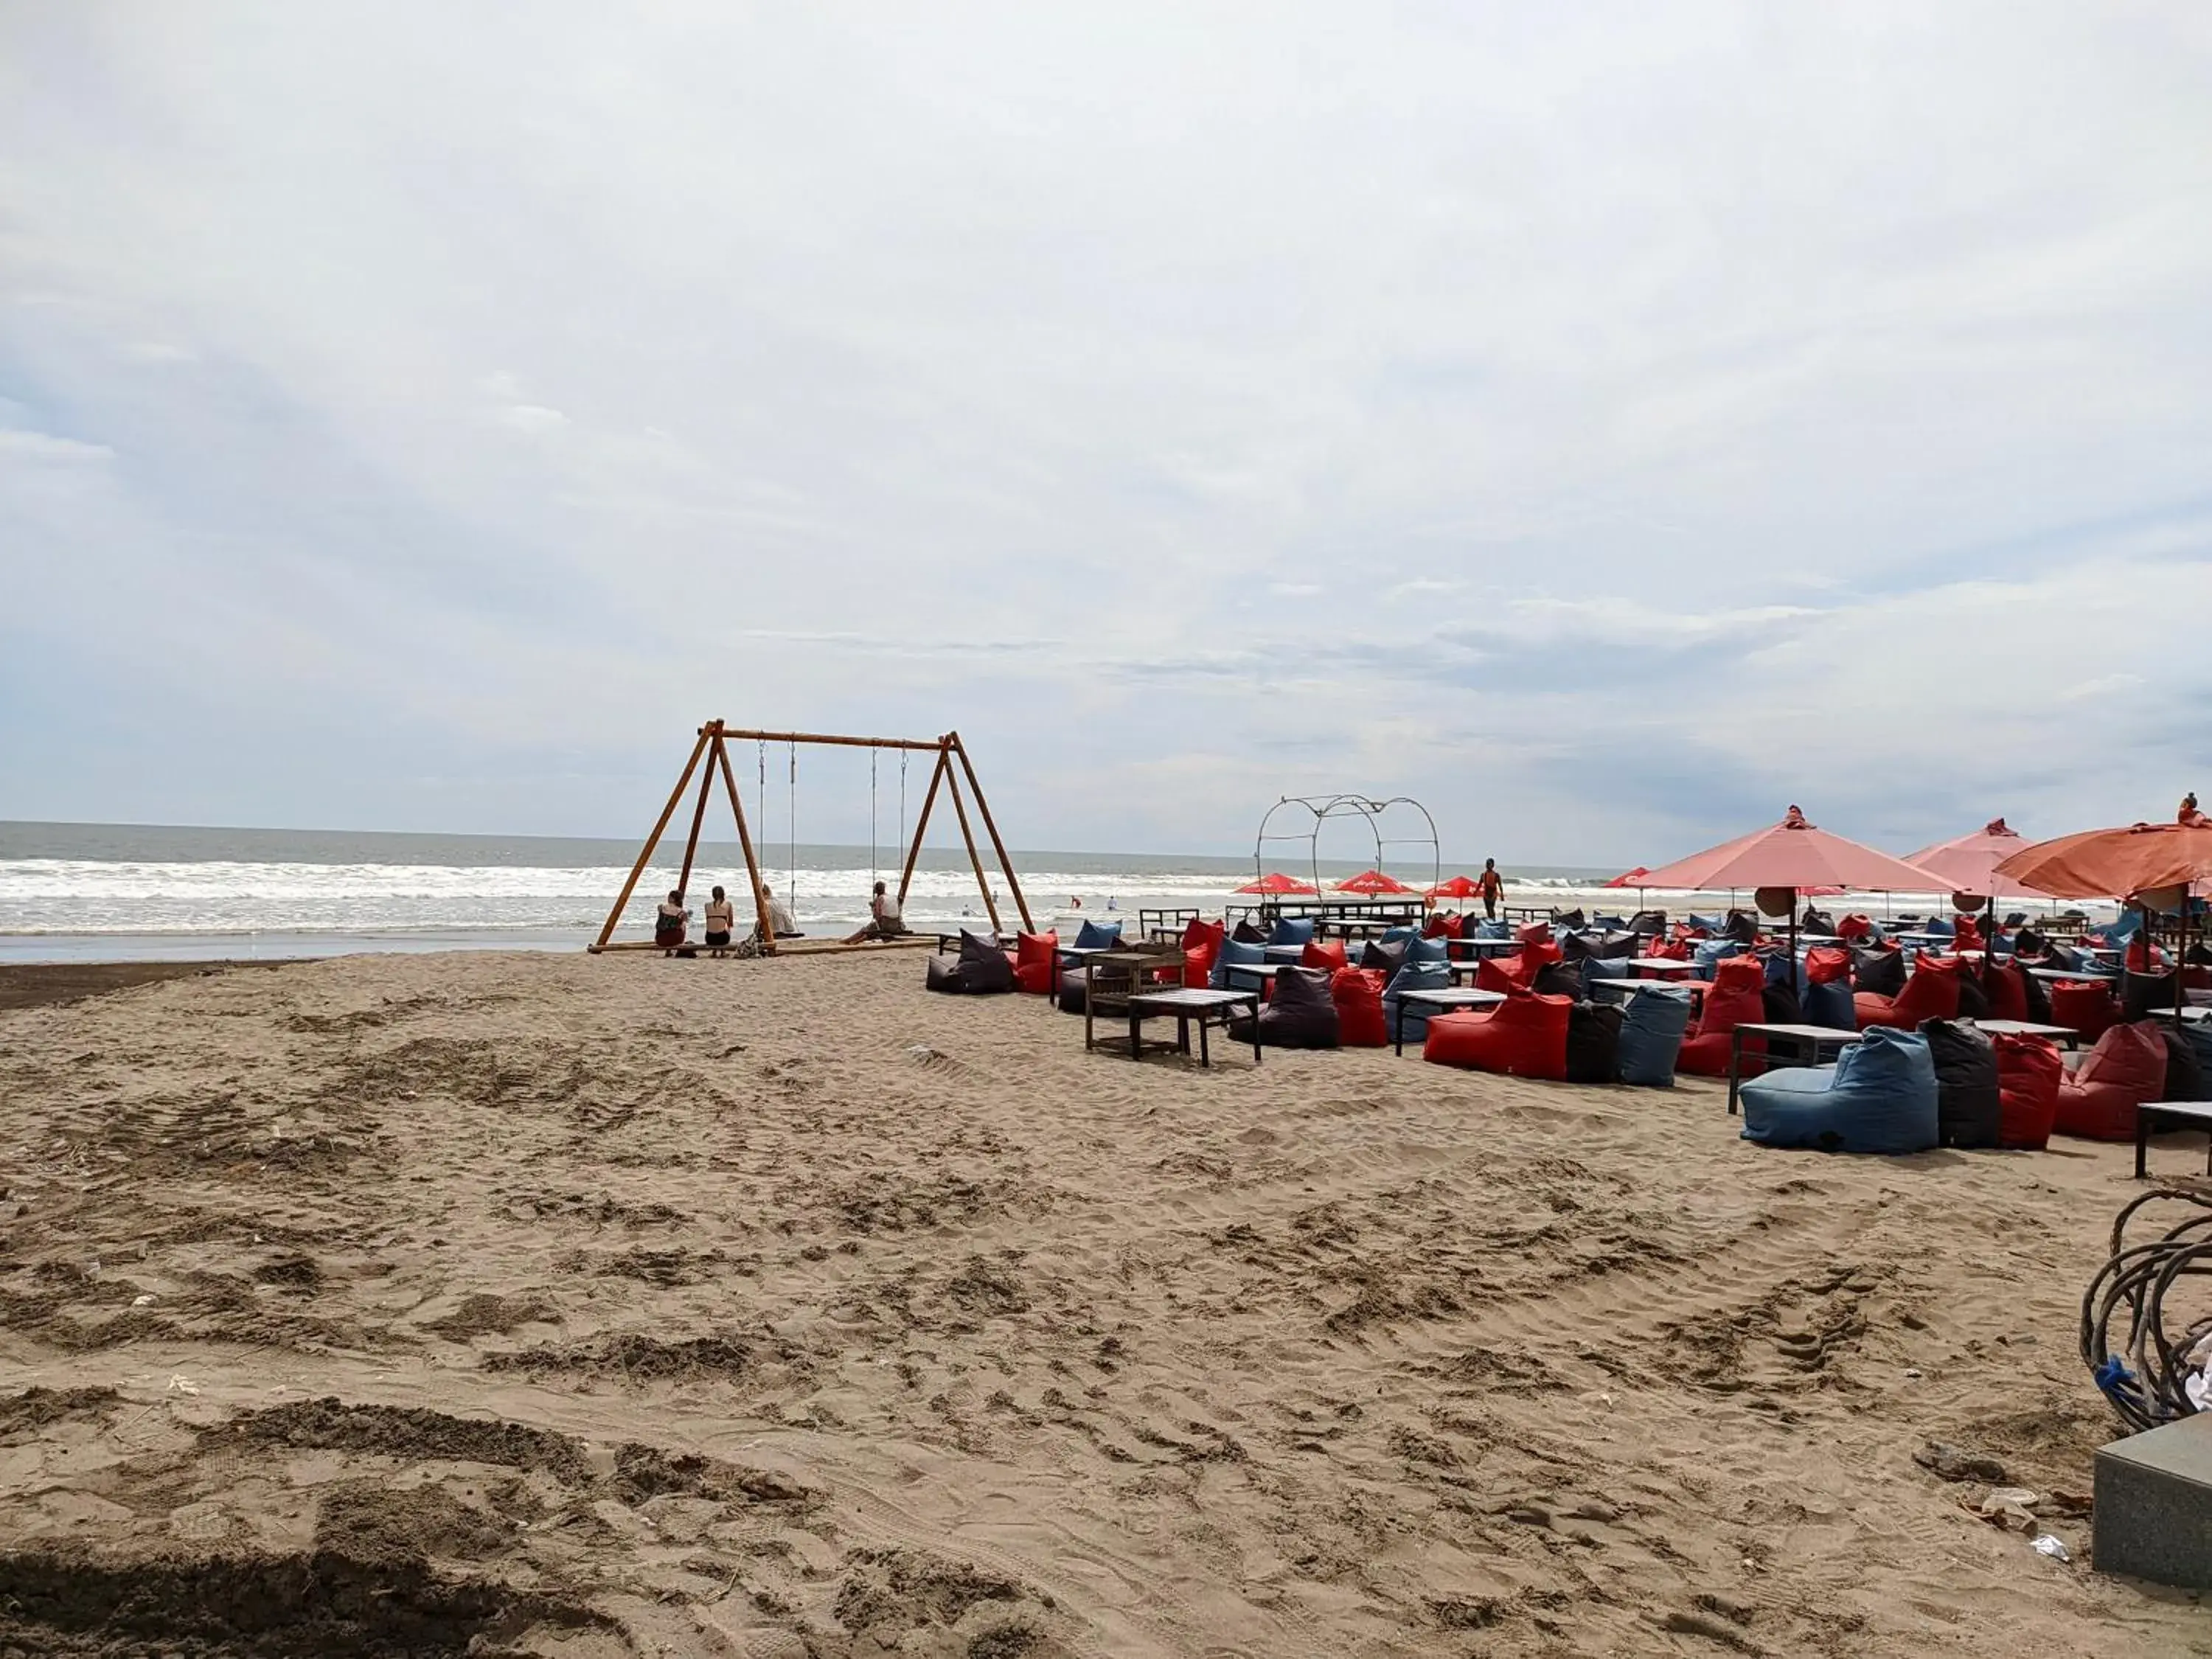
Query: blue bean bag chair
{"points": [[1426, 950], [1292, 930], [1830, 1005], [1879, 1097], [1651, 1036], [1413, 976], [1235, 954], [1396, 935], [2199, 1033], [1939, 927], [1491, 929], [1097, 936], [1711, 953]]}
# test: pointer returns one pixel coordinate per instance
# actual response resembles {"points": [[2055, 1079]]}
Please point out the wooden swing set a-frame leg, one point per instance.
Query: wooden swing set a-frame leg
{"points": [[713, 746]]}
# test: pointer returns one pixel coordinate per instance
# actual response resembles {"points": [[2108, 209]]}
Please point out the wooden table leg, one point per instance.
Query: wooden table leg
{"points": [[1136, 1034], [1256, 1030], [2142, 1142], [1204, 1060]]}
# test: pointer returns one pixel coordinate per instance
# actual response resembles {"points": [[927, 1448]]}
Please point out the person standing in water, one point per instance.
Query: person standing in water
{"points": [[1491, 885]]}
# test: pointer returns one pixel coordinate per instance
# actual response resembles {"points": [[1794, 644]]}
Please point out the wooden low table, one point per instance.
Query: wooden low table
{"points": [[952, 941], [2087, 975], [2174, 1115], [1259, 970], [2065, 1034], [1808, 1039], [1190, 1006], [1629, 987], [1480, 948], [1659, 967], [1443, 1001], [1137, 965]]}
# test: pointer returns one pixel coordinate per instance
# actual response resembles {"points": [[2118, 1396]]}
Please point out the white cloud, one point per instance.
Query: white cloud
{"points": [[1518, 409], [44, 447]]}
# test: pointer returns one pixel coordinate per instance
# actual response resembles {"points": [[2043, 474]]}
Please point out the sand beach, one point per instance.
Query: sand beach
{"points": [[571, 1306]]}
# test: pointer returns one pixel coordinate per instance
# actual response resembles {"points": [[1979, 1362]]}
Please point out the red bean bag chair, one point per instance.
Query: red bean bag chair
{"points": [[1504, 973], [1358, 994], [1532, 932], [1329, 957], [1932, 993], [1201, 949], [1854, 927], [1738, 998], [2028, 1072], [2083, 1005], [1443, 925], [1524, 1035], [2006, 986], [1826, 963], [1672, 949], [1537, 952], [1032, 958], [2140, 963], [1965, 935], [2126, 1068]]}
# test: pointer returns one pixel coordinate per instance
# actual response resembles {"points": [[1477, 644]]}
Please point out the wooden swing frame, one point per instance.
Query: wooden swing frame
{"points": [[713, 749]]}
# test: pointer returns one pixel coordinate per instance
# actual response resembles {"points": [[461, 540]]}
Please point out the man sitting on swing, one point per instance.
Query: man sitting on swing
{"points": [[884, 920]]}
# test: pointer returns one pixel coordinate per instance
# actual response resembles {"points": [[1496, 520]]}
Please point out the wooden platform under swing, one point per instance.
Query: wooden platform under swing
{"points": [[713, 749]]}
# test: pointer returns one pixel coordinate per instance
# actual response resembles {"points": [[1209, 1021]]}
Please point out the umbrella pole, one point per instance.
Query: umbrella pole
{"points": [[1792, 942]]}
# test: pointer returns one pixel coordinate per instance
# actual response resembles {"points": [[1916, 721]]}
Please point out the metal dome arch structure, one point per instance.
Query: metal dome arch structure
{"points": [[1321, 810]]}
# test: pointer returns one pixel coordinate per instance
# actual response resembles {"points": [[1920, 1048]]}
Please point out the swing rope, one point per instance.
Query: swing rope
{"points": [[872, 817], [791, 801]]}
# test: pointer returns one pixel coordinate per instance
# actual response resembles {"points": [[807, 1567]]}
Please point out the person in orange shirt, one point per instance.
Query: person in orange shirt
{"points": [[1491, 885], [2189, 814]]}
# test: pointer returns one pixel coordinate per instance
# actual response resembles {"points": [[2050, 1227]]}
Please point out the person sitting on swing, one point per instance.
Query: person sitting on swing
{"points": [[668, 924], [779, 915], [722, 916], [884, 920]]}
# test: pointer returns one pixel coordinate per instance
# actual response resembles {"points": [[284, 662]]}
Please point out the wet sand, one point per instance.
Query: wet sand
{"points": [[631, 1305]]}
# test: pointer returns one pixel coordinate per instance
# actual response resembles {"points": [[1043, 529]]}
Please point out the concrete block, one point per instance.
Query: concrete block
{"points": [[2153, 1516]]}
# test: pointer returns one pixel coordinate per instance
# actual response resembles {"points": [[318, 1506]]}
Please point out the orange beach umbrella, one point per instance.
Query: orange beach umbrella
{"points": [[2143, 857], [1792, 854]]}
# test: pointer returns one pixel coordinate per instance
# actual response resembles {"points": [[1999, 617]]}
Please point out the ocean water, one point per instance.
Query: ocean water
{"points": [[113, 890]]}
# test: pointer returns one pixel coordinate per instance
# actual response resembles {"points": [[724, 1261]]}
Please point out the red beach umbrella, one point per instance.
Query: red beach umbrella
{"points": [[1968, 865], [1459, 887], [1795, 855], [1277, 885], [1373, 882], [1628, 878]]}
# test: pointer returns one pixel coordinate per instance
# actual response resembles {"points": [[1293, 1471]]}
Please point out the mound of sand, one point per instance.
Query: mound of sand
{"points": [[570, 1306]]}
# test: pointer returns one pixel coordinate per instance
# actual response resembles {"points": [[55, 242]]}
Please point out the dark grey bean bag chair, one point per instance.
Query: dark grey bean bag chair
{"points": [[1648, 922], [1881, 972], [2184, 1066], [980, 969], [1593, 1042], [1389, 957], [1783, 1006], [1563, 979], [1301, 1014], [1973, 997], [2142, 995], [1968, 1110], [1069, 993]]}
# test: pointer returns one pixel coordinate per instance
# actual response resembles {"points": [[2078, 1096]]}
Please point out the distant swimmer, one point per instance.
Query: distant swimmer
{"points": [[1110, 905], [1074, 902]]}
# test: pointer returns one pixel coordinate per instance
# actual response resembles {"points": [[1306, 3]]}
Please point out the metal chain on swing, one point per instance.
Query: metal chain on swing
{"points": [[871, 816], [791, 803]]}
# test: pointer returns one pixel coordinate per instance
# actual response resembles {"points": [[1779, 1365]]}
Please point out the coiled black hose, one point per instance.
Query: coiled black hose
{"points": [[2145, 1378]]}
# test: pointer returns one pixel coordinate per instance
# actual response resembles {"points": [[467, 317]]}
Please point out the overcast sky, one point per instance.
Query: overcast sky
{"points": [[1611, 425]]}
